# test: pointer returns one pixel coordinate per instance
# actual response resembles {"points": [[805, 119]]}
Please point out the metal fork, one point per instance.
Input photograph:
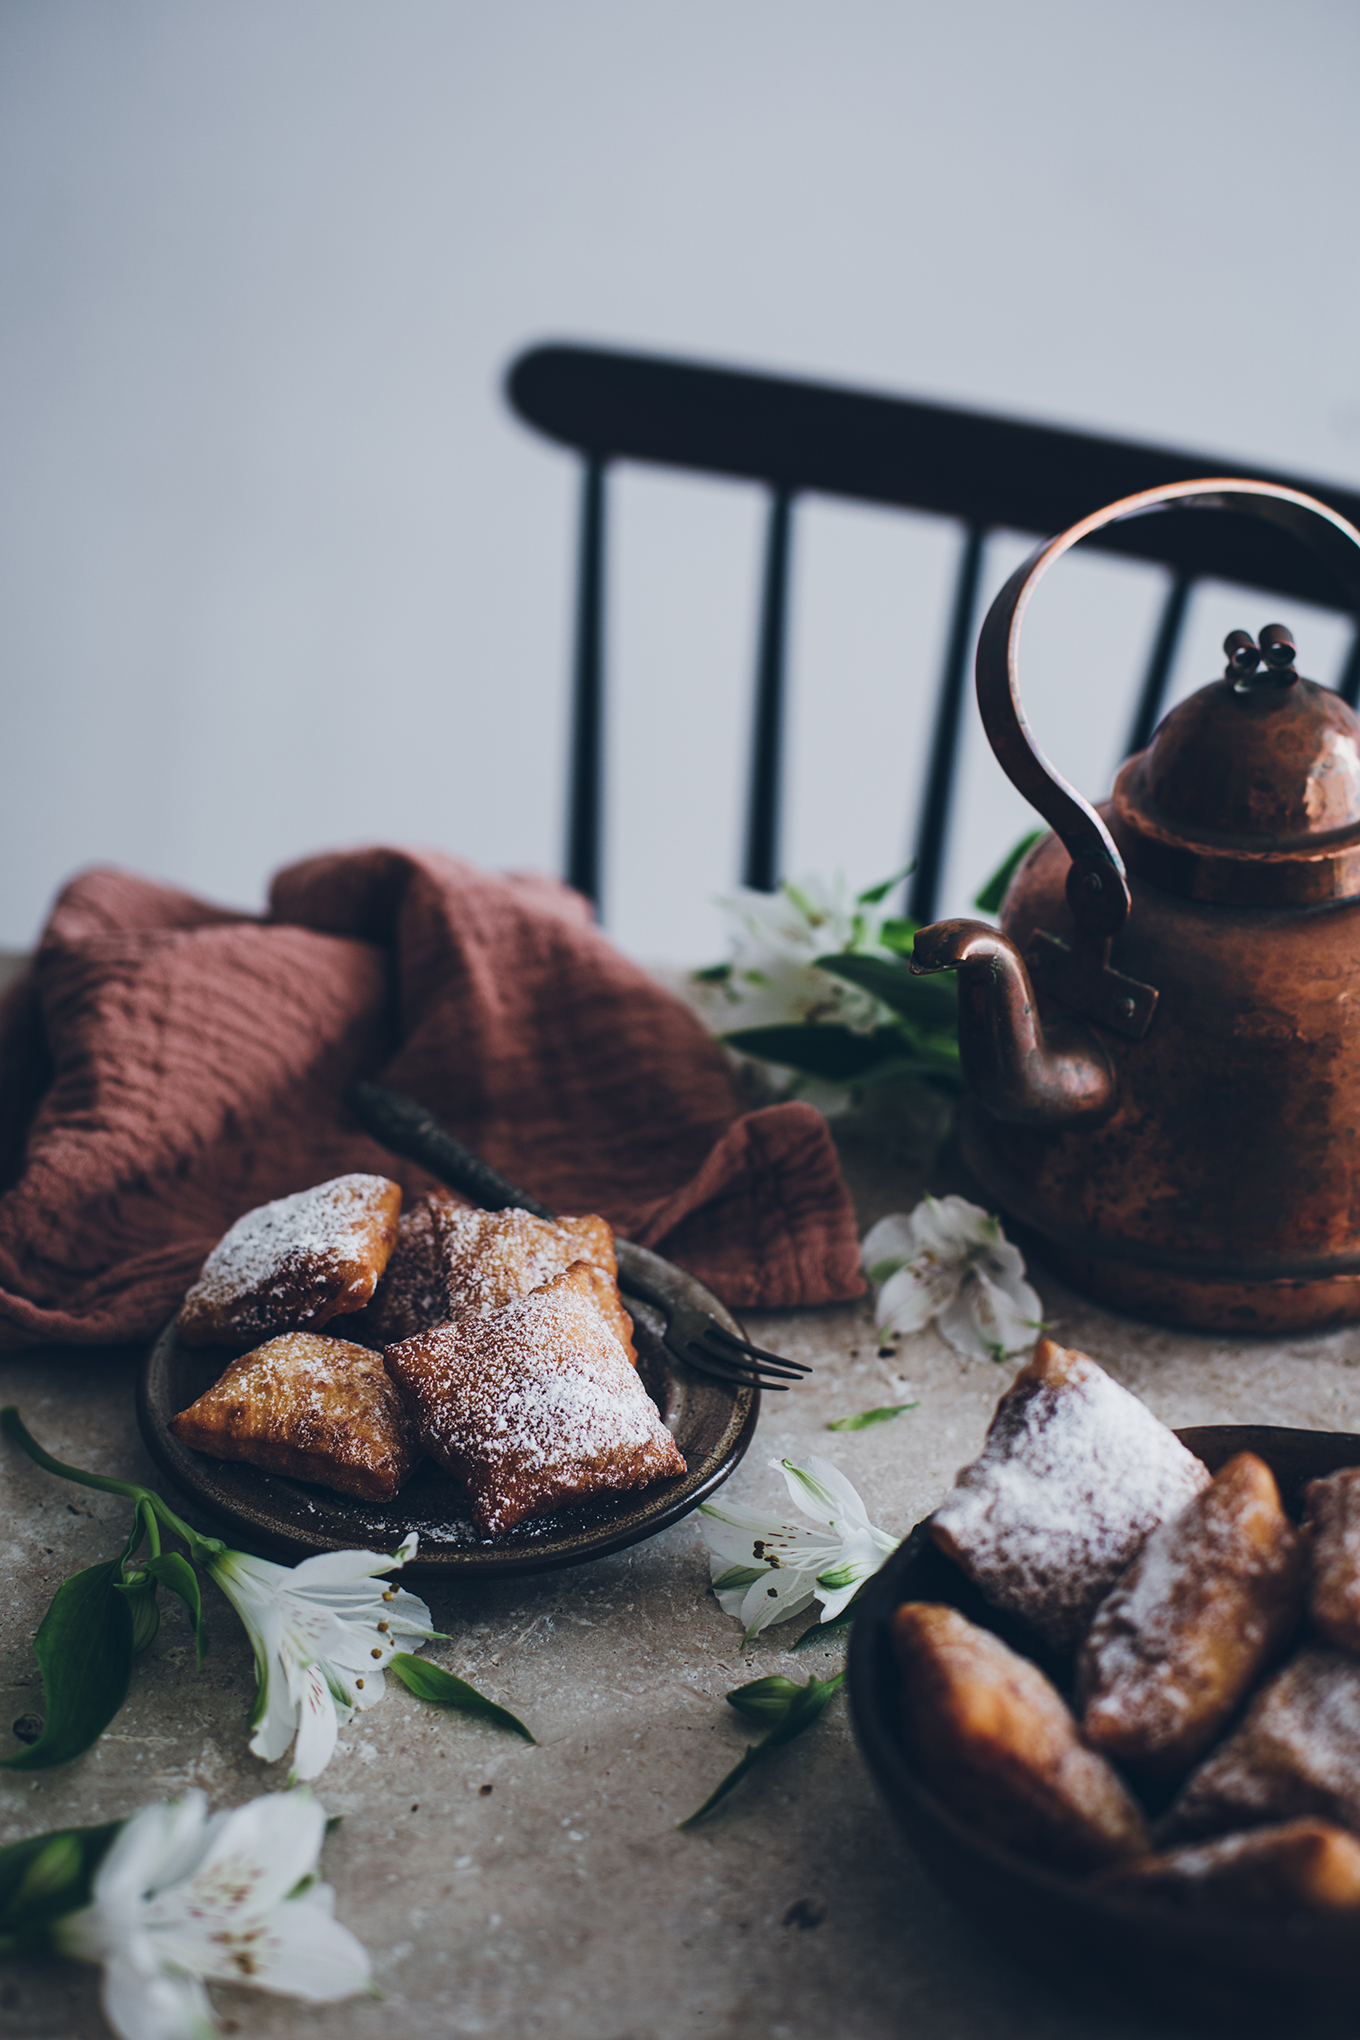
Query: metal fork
{"points": [[693, 1336]]}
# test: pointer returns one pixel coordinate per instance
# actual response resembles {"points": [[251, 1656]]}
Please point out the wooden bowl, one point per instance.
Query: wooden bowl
{"points": [[1286, 1976]]}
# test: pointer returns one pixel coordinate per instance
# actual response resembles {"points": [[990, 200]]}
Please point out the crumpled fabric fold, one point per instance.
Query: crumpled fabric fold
{"points": [[168, 1064]]}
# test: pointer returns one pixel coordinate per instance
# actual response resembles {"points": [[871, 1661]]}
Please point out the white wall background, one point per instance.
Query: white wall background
{"points": [[277, 568]]}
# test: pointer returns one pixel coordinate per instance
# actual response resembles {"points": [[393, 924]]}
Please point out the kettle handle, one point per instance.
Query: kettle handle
{"points": [[1097, 884]]}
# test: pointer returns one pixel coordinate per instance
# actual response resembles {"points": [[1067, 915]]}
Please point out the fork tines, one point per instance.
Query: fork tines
{"points": [[777, 1361], [728, 1358]]}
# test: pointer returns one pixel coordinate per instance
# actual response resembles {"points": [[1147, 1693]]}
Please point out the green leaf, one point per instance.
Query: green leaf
{"points": [[175, 1572], [442, 1689], [801, 1710], [740, 1576], [46, 1876], [863, 1418], [833, 1051], [994, 892], [899, 935], [942, 1071], [766, 1699], [818, 1632], [716, 974], [929, 1001], [84, 1651], [140, 1595], [876, 894]]}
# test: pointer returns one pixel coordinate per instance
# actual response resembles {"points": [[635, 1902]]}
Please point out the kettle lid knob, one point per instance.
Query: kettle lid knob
{"points": [[1244, 655]]}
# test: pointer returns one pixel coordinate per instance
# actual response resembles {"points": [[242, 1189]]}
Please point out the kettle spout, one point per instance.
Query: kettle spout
{"points": [[1021, 1068]]}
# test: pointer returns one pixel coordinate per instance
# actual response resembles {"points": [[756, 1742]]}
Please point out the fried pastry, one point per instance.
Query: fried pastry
{"points": [[493, 1257], [413, 1293], [997, 1743], [1296, 1752], [1074, 1474], [1300, 1866], [1209, 1601], [1332, 1510], [317, 1409], [536, 1405], [452, 1259], [295, 1264]]}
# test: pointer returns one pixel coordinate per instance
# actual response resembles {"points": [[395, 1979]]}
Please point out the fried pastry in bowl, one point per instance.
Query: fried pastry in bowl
{"points": [[295, 1264], [996, 1737], [1299, 1866], [1225, 1959], [1209, 1601], [1332, 1514], [1074, 1473]]}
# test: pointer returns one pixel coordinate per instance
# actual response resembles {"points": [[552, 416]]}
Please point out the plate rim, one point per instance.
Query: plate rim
{"points": [[175, 1462]]}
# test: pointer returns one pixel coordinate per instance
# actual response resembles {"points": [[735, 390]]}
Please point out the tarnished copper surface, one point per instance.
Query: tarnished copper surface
{"points": [[1249, 796], [1021, 1068], [1216, 1182]]}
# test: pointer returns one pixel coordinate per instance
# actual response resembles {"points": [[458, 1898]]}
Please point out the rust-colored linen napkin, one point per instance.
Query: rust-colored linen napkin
{"points": [[167, 1065]]}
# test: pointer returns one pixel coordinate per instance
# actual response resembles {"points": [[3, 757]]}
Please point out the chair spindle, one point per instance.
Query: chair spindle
{"points": [[585, 799], [761, 868]]}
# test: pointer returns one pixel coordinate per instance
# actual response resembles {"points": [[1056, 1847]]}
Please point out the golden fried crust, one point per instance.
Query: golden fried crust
{"points": [[995, 1740], [1211, 1598], [1300, 1866], [320, 1410], [1074, 1474], [452, 1259], [495, 1257], [534, 1406], [414, 1291], [295, 1264], [1296, 1752], [1332, 1510]]}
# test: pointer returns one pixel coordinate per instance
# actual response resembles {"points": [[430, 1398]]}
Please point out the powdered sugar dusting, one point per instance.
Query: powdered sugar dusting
{"points": [[453, 1261], [1333, 1509], [1184, 1633], [1297, 1752], [496, 1256], [1074, 1474], [535, 1405], [287, 1262]]}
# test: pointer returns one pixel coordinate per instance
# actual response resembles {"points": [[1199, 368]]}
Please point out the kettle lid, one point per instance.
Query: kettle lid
{"points": [[1249, 792]]}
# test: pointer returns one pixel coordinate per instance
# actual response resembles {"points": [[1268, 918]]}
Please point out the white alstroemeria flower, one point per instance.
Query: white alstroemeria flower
{"points": [[182, 1899], [949, 1260], [322, 1632], [777, 938], [766, 1570]]}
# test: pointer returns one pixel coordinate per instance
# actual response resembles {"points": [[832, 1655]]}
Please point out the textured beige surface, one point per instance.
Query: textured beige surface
{"points": [[563, 1901]]}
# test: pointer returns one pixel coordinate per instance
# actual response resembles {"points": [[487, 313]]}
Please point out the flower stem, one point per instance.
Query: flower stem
{"points": [[201, 1548]]}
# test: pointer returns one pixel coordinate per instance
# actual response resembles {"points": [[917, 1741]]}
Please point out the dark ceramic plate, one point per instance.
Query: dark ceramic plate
{"points": [[712, 1424], [1289, 1975]]}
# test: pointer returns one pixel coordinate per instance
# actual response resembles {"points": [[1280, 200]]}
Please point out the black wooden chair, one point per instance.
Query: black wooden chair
{"points": [[990, 474]]}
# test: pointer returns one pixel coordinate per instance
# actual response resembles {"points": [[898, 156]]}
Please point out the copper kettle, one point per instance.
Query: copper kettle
{"points": [[1162, 1044]]}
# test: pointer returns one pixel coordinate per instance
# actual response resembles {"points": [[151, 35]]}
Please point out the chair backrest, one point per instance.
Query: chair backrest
{"points": [[989, 473]]}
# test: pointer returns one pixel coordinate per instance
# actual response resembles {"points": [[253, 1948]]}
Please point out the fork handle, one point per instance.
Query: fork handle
{"points": [[408, 1129]]}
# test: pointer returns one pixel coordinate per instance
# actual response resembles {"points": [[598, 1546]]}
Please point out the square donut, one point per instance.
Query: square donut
{"points": [[317, 1409], [536, 1405], [295, 1264], [452, 1259]]}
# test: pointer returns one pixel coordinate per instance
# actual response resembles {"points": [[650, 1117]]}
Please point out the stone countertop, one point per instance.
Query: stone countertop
{"points": [[513, 1891]]}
